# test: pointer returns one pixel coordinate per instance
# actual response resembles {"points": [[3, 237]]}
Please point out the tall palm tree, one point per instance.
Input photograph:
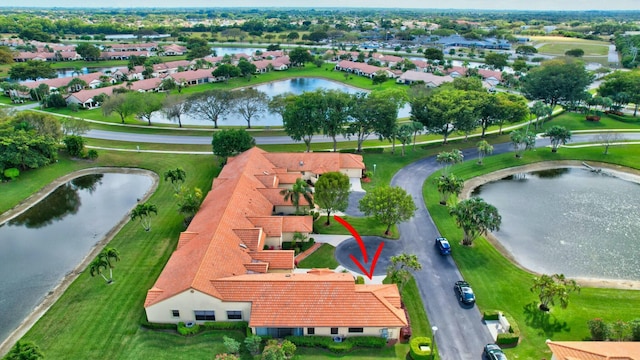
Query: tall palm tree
{"points": [[177, 177], [111, 255], [143, 213], [97, 266], [300, 188]]}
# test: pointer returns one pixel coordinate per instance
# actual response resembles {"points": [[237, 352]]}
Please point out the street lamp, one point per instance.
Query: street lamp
{"points": [[434, 329], [374, 169]]}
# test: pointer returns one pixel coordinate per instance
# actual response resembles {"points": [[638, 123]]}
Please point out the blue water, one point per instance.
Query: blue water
{"points": [[39, 247]]}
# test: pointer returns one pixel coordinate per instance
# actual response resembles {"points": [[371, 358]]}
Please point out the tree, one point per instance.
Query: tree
{"points": [[416, 128], [143, 213], [557, 82], [552, 287], [607, 139], [379, 77], [227, 71], [299, 189], [399, 272], [26, 150], [148, 103], [32, 70], [110, 255], [332, 192], [304, 116], [338, 106], [198, 48], [173, 107], [73, 126], [189, 202], [250, 103], [97, 266], [230, 142], [539, 109], [522, 140], [299, 56], [76, 84], [39, 123], [74, 145], [511, 108], [475, 217], [434, 111], [121, 104], [449, 185], [434, 54], [403, 134], [232, 345], [496, 60], [252, 343], [246, 68], [388, 205], [448, 159], [574, 52], [558, 135], [177, 177], [211, 104], [88, 51], [24, 350], [484, 149], [6, 55], [622, 87], [526, 50]]}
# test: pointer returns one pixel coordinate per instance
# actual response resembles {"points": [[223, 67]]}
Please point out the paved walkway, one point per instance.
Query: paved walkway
{"points": [[303, 255]]}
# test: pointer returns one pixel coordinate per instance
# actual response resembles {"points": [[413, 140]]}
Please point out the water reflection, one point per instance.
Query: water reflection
{"points": [[50, 239], [570, 221], [63, 201]]}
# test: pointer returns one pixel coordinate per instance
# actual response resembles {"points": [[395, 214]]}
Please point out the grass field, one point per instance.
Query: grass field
{"points": [[556, 45]]}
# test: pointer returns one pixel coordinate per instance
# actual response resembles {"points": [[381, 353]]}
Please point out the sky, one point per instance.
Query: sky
{"points": [[427, 4]]}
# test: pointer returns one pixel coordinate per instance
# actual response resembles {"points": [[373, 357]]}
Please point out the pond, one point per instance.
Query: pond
{"points": [[296, 86], [571, 221], [45, 243]]}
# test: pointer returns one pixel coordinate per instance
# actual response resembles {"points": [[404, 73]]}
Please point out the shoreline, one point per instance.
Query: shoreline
{"points": [[473, 183], [56, 292]]}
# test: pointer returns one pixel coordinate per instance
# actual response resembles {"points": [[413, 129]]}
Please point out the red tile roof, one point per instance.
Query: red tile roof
{"points": [[220, 255], [594, 350]]}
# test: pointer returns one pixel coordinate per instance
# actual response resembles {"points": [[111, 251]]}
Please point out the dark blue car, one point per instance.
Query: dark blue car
{"points": [[443, 245]]}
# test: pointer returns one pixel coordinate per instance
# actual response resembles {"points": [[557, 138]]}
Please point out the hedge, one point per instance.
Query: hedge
{"points": [[186, 331], [416, 352], [346, 345], [196, 328]]}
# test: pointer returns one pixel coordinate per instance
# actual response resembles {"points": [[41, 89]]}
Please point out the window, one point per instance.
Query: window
{"points": [[356, 330], [234, 315], [175, 313], [334, 331], [311, 331], [205, 315]]}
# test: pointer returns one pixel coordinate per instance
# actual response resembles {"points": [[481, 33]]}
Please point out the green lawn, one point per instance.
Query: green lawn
{"points": [[366, 226], [499, 284], [561, 48], [575, 121], [323, 257]]}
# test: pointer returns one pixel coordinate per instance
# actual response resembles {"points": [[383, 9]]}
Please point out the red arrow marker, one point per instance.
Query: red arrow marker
{"points": [[363, 249]]}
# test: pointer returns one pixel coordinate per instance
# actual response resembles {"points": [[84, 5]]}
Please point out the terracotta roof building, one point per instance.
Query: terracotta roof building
{"points": [[594, 350], [220, 270]]}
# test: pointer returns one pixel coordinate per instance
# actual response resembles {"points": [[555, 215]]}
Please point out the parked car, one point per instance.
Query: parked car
{"points": [[493, 352], [443, 245], [465, 293]]}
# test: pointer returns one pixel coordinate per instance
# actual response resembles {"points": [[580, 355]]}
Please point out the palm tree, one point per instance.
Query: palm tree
{"points": [[448, 185], [448, 159], [475, 217], [98, 265], [111, 255], [143, 213], [300, 188], [484, 149], [177, 177]]}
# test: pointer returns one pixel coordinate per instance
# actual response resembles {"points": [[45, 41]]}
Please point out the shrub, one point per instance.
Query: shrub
{"points": [[598, 329], [73, 107], [187, 331], [158, 326], [367, 341], [226, 357], [252, 343], [513, 336], [225, 325], [635, 329], [289, 348], [92, 154], [12, 173], [74, 145], [490, 315], [416, 352], [359, 280], [232, 345]]}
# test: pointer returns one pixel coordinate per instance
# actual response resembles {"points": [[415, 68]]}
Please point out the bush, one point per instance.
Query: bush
{"points": [[346, 345], [490, 315], [92, 154], [74, 145], [158, 326], [232, 345], [73, 107], [416, 352], [367, 341], [635, 330], [187, 331], [359, 280], [11, 173], [598, 329], [225, 325]]}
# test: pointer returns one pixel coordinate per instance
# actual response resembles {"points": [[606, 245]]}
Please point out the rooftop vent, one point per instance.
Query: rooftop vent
{"points": [[301, 162], [265, 172], [243, 246]]}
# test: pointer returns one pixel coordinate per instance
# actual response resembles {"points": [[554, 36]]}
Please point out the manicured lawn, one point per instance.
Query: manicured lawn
{"points": [[561, 48], [323, 257], [499, 284], [575, 121], [147, 146], [366, 226]]}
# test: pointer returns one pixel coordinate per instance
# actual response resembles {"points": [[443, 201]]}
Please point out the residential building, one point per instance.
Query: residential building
{"points": [[594, 350], [429, 79], [220, 270]]}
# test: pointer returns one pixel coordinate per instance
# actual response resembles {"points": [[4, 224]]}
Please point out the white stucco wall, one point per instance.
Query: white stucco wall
{"points": [[191, 300]]}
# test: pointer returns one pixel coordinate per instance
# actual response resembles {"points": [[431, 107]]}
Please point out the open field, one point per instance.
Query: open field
{"points": [[555, 45]]}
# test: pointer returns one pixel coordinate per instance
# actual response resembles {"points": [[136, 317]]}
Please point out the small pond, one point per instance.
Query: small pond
{"points": [[40, 246], [571, 221]]}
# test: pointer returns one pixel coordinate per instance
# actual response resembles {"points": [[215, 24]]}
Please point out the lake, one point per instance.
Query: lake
{"points": [[42, 245], [570, 220]]}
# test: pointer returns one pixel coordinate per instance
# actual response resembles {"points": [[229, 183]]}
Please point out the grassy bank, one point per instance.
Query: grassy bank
{"points": [[500, 284]]}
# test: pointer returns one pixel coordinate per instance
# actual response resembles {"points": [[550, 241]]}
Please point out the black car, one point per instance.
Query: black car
{"points": [[443, 245], [493, 352], [465, 293]]}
